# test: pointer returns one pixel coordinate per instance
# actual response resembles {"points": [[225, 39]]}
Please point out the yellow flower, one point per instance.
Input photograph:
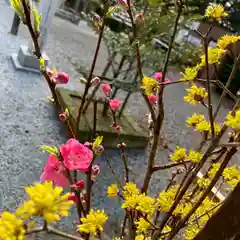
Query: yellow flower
{"points": [[142, 225], [191, 231], [130, 189], [113, 190], [215, 12], [190, 74], [195, 156], [195, 94], [166, 231], [233, 121], [142, 237], [179, 155], [195, 119], [182, 209], [213, 170], [11, 228], [48, 201], [93, 221], [232, 175], [149, 84], [166, 198], [214, 55], [145, 204], [205, 126], [26, 210], [226, 40], [130, 202], [203, 182]]}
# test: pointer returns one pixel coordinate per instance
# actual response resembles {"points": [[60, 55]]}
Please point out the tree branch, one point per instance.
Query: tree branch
{"points": [[167, 166]]}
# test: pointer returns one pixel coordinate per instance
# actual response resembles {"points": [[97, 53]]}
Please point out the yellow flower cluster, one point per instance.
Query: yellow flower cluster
{"points": [[133, 199], [142, 225], [190, 73], [215, 12], [195, 94], [149, 85], [233, 121], [93, 222], [45, 200], [181, 154], [215, 167], [142, 237], [227, 40], [203, 182], [11, 227], [205, 126], [112, 190], [214, 55], [195, 119], [232, 175]]}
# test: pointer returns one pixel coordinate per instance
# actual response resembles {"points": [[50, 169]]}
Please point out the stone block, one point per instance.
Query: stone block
{"points": [[131, 134]]}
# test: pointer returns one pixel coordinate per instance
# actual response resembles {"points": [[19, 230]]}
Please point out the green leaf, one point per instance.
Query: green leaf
{"points": [[67, 112], [42, 64], [51, 149], [97, 141]]}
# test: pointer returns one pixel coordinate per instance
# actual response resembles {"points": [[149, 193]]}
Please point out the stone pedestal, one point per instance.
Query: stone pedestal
{"points": [[26, 61]]}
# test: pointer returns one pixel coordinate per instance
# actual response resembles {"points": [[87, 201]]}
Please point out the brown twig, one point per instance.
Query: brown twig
{"points": [[88, 84], [229, 81], [167, 166], [158, 123]]}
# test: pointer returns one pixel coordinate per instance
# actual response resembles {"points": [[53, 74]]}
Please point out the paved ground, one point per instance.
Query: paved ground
{"points": [[28, 121]]}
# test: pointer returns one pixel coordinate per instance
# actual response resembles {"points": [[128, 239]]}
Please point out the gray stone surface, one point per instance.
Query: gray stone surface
{"points": [[28, 121]]}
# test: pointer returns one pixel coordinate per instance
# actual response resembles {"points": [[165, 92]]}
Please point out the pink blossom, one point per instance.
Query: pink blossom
{"points": [[139, 18], [61, 78], [73, 197], [114, 104], [63, 116], [152, 98], [123, 4], [54, 171], [75, 155], [106, 89], [118, 128], [80, 184], [158, 75], [95, 81]]}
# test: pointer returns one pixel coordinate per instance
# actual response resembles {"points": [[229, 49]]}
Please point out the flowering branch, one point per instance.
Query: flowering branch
{"points": [[88, 84], [158, 123]]}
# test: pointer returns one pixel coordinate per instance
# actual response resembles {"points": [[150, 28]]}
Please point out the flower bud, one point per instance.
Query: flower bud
{"points": [[95, 81], [118, 128], [61, 78], [80, 184], [73, 198], [152, 98], [106, 89], [139, 19], [123, 4], [83, 80], [97, 21], [95, 172], [63, 116]]}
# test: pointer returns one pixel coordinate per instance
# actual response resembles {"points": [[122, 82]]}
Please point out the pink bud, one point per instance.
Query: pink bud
{"points": [[99, 150], [114, 104], [166, 81], [158, 75], [139, 18], [118, 128], [152, 98], [73, 198], [114, 124], [61, 78], [80, 184], [106, 89], [95, 172], [95, 81], [63, 116]]}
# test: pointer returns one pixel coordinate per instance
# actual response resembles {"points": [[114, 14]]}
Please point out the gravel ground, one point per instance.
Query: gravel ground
{"points": [[28, 121]]}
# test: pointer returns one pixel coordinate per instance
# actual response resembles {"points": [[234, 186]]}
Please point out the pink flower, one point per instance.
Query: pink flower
{"points": [[158, 75], [139, 18], [152, 98], [54, 171], [63, 116], [106, 89], [114, 104], [80, 184], [75, 155], [118, 128], [61, 78], [73, 197]]}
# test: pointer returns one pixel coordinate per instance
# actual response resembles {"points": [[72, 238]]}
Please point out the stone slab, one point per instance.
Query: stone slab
{"points": [[26, 61], [132, 134]]}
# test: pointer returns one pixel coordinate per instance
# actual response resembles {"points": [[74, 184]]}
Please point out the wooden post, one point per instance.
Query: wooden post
{"points": [[15, 24], [225, 223]]}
